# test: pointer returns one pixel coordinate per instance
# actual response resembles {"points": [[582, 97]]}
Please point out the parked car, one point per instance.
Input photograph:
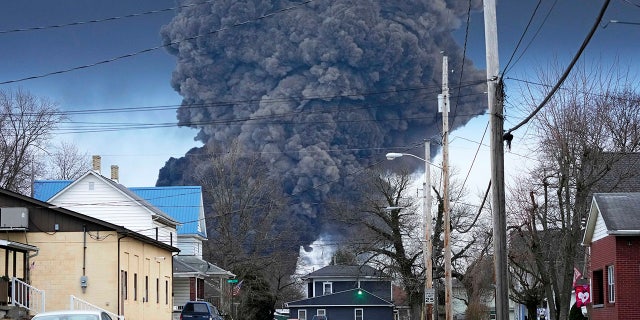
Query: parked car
{"points": [[199, 310], [73, 315]]}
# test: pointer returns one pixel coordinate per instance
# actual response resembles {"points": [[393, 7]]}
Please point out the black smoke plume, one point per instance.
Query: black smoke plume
{"points": [[321, 89]]}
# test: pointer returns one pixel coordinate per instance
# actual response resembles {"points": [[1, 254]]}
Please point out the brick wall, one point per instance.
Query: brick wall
{"points": [[627, 277], [603, 254], [624, 254]]}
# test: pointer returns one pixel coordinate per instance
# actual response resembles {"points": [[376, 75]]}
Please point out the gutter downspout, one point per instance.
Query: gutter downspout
{"points": [[119, 294]]}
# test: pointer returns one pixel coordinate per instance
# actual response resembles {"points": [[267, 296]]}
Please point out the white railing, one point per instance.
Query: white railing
{"points": [[76, 303], [27, 296]]}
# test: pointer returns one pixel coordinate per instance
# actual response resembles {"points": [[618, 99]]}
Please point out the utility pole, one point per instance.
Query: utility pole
{"points": [[428, 247], [494, 96], [444, 102]]}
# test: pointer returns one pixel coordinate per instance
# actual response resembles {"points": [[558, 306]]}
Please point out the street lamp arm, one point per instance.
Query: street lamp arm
{"points": [[393, 155]]}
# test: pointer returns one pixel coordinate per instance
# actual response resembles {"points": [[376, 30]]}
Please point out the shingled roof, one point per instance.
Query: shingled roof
{"points": [[343, 271], [619, 213]]}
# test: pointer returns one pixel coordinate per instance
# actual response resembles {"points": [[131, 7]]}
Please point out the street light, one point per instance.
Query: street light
{"points": [[426, 208]]}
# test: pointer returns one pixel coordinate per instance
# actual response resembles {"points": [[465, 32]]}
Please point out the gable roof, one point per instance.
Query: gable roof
{"points": [[157, 213], [182, 203], [345, 298], [620, 213], [122, 230], [343, 271]]}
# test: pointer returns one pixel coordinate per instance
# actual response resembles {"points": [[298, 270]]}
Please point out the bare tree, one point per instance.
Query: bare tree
{"points": [[67, 162], [247, 230], [582, 133], [26, 124], [388, 222]]}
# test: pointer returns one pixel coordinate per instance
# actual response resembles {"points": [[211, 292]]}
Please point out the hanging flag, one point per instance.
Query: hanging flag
{"points": [[582, 295], [236, 288], [576, 275]]}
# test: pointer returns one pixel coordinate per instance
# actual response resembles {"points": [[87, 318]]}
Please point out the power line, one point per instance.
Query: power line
{"points": [[532, 38], [566, 72], [78, 23], [129, 55], [522, 35]]}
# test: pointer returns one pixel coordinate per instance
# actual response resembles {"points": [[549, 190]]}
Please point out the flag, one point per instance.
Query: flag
{"points": [[582, 295], [236, 288], [576, 275]]}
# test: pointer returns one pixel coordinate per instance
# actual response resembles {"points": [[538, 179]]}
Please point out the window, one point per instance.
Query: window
{"points": [[302, 314], [321, 312], [157, 290], [611, 284], [135, 287], [166, 292], [146, 289], [359, 314], [327, 288], [123, 276], [598, 287]]}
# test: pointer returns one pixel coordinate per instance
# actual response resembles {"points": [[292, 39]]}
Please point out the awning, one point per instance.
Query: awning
{"points": [[17, 246]]}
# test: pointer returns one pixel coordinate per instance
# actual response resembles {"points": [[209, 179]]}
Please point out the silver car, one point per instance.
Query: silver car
{"points": [[73, 315]]}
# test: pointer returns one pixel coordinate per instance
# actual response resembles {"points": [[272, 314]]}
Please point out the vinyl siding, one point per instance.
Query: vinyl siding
{"points": [[93, 197], [600, 230], [190, 246], [180, 291]]}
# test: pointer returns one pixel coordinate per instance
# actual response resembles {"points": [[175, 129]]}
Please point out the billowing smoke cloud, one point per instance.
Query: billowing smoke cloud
{"points": [[321, 90]]}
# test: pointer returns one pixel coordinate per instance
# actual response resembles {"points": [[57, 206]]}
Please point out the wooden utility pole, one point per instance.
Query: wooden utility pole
{"points": [[444, 102], [429, 296], [494, 96]]}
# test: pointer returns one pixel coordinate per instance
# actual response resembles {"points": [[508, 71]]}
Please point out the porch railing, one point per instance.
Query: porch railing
{"points": [[27, 296], [76, 303]]}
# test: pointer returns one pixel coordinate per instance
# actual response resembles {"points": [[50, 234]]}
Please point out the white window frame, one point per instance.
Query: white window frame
{"points": [[611, 284], [321, 312], [324, 288], [302, 314], [355, 314]]}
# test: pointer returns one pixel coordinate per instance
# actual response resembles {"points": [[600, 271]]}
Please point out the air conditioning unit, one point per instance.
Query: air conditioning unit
{"points": [[14, 218]]}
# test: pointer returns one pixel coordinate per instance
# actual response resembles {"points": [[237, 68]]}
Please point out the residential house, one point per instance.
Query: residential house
{"points": [[345, 292], [612, 236], [194, 278], [59, 257], [100, 197]]}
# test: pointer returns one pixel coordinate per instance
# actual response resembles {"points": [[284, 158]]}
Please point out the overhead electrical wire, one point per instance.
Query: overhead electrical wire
{"points": [[506, 67], [566, 72], [78, 23], [251, 101], [464, 56], [133, 54], [535, 35]]}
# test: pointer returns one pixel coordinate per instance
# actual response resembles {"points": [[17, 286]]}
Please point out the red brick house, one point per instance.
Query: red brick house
{"points": [[612, 237]]}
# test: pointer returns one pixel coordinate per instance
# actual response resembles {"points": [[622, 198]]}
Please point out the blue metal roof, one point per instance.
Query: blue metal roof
{"points": [[44, 190], [182, 203]]}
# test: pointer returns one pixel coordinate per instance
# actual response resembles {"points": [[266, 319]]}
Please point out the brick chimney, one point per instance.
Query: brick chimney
{"points": [[96, 163], [115, 173]]}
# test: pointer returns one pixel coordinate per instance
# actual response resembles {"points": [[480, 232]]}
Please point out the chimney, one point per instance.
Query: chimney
{"points": [[114, 173], [96, 163]]}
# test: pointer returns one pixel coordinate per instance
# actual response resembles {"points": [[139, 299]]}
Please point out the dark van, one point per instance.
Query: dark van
{"points": [[199, 310]]}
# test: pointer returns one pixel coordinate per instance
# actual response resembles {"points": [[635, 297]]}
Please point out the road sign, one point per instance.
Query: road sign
{"points": [[429, 295], [232, 280]]}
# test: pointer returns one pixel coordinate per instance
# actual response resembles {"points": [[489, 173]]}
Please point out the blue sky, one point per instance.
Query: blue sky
{"points": [[143, 80]]}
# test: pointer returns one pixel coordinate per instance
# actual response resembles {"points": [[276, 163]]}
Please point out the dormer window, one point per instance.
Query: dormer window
{"points": [[327, 288]]}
